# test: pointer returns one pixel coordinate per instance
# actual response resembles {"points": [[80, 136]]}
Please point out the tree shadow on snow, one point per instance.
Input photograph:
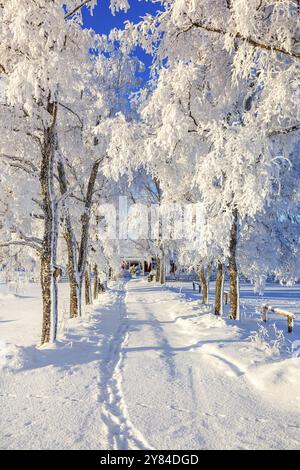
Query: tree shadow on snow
{"points": [[78, 348]]}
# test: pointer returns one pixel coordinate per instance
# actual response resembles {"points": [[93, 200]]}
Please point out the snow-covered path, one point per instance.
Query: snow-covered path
{"points": [[190, 381], [146, 369], [65, 397]]}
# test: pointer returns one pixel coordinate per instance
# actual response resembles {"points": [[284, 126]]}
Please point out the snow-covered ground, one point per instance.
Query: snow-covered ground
{"points": [[150, 367]]}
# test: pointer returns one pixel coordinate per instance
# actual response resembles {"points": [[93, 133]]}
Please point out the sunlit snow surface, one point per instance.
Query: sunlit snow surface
{"points": [[150, 367]]}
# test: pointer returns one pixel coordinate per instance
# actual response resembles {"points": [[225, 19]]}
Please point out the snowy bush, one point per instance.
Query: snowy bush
{"points": [[10, 357], [270, 339], [133, 270]]}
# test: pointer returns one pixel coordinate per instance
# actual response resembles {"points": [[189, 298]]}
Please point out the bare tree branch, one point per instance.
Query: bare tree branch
{"points": [[251, 41], [37, 216], [190, 108], [72, 112], [71, 13], [21, 243], [38, 203], [15, 161], [32, 242], [286, 131]]}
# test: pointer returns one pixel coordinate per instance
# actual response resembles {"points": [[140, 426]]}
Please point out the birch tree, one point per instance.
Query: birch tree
{"points": [[241, 52], [41, 57]]}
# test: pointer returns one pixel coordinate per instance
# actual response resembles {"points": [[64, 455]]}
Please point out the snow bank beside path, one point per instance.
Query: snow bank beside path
{"points": [[57, 396], [191, 380]]}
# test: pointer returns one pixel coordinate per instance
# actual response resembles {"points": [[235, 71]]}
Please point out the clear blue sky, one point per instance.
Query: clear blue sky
{"points": [[103, 22]]}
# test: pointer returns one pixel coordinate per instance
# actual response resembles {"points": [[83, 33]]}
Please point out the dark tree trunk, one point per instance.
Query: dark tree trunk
{"points": [[75, 296], [47, 294], [49, 247], [162, 268], [87, 283], [233, 271], [204, 279], [158, 263], [77, 261], [86, 219], [204, 284], [69, 236], [96, 282], [219, 290], [101, 287]]}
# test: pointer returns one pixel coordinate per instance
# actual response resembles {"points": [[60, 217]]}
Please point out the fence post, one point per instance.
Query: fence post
{"points": [[264, 311], [290, 322]]}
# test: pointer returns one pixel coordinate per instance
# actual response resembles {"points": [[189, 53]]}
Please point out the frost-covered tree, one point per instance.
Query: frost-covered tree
{"points": [[46, 69], [207, 129], [218, 64], [41, 57]]}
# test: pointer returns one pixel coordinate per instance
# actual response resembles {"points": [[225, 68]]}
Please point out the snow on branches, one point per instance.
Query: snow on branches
{"points": [[217, 125]]}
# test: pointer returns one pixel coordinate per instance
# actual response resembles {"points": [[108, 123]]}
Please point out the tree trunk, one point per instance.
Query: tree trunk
{"points": [[49, 294], [49, 248], [85, 230], [219, 290], [96, 282], [74, 282], [101, 287], [233, 271], [86, 219], [204, 279], [75, 297], [204, 284], [162, 268], [69, 236], [87, 283], [158, 263], [77, 262]]}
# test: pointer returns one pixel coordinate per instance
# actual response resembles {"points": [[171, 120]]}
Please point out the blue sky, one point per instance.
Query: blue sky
{"points": [[103, 22]]}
